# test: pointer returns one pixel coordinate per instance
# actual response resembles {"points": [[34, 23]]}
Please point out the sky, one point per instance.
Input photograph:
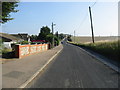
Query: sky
{"points": [[68, 17]]}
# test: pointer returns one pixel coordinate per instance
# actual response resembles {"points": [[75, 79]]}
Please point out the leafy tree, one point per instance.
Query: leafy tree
{"points": [[56, 34], [33, 37], [61, 36], [44, 31], [45, 34], [69, 38], [49, 38], [56, 41], [7, 8]]}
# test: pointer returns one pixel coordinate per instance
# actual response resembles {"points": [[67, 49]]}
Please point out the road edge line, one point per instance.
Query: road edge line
{"points": [[40, 70]]}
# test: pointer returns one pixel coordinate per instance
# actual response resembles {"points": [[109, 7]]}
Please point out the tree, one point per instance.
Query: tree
{"points": [[61, 36], [7, 8], [45, 34], [44, 31], [56, 34], [33, 37], [56, 41], [69, 38], [50, 37]]}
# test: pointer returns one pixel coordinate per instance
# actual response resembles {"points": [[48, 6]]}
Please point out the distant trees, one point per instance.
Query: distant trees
{"points": [[46, 34], [33, 37], [69, 38], [61, 36], [7, 8]]}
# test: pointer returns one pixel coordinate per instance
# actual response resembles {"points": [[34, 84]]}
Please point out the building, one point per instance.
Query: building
{"points": [[8, 39], [23, 36]]}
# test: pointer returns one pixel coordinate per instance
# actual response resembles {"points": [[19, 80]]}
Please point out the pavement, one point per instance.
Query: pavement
{"points": [[74, 68], [19, 72]]}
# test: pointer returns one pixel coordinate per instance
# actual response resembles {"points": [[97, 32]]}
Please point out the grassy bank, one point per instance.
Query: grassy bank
{"points": [[88, 39], [110, 50]]}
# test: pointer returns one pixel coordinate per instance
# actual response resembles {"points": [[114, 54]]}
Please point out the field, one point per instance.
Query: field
{"points": [[106, 46], [88, 39]]}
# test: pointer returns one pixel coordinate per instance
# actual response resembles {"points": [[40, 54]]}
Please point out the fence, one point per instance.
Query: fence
{"points": [[25, 50]]}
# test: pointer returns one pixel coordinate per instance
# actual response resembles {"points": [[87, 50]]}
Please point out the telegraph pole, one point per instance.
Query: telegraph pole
{"points": [[53, 34], [91, 24]]}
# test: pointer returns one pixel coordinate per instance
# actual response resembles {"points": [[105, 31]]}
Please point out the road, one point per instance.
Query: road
{"points": [[73, 68]]}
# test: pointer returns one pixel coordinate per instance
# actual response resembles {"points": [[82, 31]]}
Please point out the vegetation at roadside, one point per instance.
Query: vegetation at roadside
{"points": [[24, 42], [7, 8], [1, 45], [47, 35], [69, 38], [109, 49], [3, 50], [88, 39], [6, 50]]}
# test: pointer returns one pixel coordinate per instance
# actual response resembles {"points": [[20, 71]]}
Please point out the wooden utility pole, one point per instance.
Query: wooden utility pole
{"points": [[53, 36], [91, 24]]}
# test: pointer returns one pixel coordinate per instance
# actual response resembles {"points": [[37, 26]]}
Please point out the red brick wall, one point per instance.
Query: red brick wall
{"points": [[25, 50]]}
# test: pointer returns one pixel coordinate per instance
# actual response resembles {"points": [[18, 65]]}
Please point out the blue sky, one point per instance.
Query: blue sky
{"points": [[68, 16]]}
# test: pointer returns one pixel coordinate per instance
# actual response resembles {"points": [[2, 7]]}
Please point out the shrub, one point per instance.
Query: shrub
{"points": [[24, 42], [56, 41], [6, 50]]}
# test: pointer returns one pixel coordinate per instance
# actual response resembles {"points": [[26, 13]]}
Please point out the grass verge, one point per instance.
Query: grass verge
{"points": [[110, 50]]}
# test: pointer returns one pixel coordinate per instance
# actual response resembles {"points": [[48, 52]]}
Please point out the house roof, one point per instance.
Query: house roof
{"points": [[8, 36], [21, 35]]}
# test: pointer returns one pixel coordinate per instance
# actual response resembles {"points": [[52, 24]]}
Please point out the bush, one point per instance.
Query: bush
{"points": [[6, 50], [24, 42], [69, 38], [50, 38], [56, 41]]}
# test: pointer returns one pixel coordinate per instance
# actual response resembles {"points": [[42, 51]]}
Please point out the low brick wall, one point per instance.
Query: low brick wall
{"points": [[25, 50]]}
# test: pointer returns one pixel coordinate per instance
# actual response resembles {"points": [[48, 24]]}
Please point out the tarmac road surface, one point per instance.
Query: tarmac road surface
{"points": [[73, 68]]}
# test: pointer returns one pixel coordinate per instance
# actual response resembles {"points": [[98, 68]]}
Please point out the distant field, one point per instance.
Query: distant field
{"points": [[88, 39]]}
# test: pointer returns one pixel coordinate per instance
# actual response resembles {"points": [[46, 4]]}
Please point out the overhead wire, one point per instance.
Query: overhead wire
{"points": [[86, 15], [93, 4]]}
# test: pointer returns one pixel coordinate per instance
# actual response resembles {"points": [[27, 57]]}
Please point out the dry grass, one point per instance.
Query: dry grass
{"points": [[88, 39], [109, 49]]}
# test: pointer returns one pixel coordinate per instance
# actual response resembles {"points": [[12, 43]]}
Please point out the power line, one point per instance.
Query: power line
{"points": [[93, 4], [84, 19], [115, 4], [86, 15]]}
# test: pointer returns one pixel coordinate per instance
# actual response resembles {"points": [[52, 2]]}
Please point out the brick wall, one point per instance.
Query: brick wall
{"points": [[25, 50]]}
